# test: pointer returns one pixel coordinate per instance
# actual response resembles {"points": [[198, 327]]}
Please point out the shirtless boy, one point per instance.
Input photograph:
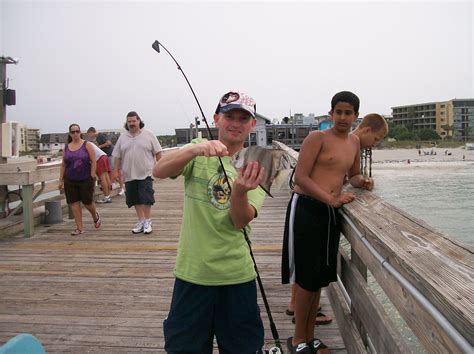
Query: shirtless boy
{"points": [[312, 227]]}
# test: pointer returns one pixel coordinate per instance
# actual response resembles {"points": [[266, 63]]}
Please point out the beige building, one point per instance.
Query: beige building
{"points": [[439, 116], [30, 138]]}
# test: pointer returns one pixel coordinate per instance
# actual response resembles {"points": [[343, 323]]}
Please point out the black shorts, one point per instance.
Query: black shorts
{"points": [[79, 191], [198, 313], [310, 243], [139, 192]]}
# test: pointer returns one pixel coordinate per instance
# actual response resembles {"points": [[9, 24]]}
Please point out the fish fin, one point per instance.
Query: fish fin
{"points": [[280, 178]]}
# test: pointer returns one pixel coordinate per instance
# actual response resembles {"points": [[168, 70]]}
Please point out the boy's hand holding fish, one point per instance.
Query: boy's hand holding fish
{"points": [[250, 176]]}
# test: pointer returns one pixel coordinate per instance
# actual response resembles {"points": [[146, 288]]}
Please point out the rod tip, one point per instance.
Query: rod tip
{"points": [[156, 46]]}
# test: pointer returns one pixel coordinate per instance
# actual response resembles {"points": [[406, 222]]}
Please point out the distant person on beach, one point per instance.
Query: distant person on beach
{"points": [[370, 132], [77, 177], [135, 153], [312, 226], [104, 143], [215, 292]]}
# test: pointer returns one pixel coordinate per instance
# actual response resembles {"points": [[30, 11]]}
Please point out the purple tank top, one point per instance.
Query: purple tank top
{"points": [[77, 163]]}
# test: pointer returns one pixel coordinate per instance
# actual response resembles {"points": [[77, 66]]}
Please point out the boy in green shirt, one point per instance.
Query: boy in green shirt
{"points": [[215, 291]]}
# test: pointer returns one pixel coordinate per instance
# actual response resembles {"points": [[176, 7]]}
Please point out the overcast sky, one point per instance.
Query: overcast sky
{"points": [[91, 62]]}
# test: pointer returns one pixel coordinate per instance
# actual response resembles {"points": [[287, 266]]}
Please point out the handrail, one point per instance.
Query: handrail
{"points": [[424, 302]]}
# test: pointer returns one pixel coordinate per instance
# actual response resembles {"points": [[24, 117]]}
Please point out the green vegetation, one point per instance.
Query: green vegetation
{"points": [[405, 133], [408, 137], [415, 144], [167, 140]]}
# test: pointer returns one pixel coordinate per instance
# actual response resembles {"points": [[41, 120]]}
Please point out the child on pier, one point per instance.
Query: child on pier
{"points": [[312, 226], [370, 132]]}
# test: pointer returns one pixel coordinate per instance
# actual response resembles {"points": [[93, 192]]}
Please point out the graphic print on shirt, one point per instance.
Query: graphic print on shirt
{"points": [[218, 190]]}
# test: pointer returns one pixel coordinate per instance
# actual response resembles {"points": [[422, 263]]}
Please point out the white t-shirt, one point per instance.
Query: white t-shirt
{"points": [[137, 154], [98, 152]]}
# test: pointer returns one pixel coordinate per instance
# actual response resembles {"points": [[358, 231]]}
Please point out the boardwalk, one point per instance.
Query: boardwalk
{"points": [[108, 291]]}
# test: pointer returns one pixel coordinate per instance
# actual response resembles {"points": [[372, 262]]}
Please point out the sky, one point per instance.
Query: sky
{"points": [[91, 62]]}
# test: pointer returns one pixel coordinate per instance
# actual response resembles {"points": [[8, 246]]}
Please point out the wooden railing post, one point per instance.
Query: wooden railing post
{"points": [[27, 195], [3, 198]]}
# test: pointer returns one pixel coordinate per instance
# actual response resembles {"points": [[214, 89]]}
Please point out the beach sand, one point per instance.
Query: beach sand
{"points": [[402, 156]]}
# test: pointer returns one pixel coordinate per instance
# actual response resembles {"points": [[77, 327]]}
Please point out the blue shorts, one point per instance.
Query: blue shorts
{"points": [[228, 312], [139, 192]]}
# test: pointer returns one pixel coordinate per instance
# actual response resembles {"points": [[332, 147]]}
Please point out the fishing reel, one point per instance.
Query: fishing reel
{"points": [[273, 348]]}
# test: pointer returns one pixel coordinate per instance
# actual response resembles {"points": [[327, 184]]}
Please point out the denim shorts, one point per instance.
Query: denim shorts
{"points": [[139, 192], [228, 312]]}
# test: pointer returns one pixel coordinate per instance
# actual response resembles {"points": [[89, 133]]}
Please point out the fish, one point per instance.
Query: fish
{"points": [[277, 164]]}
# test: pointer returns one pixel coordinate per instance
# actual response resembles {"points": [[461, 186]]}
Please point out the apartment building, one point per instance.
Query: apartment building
{"points": [[448, 118], [30, 138]]}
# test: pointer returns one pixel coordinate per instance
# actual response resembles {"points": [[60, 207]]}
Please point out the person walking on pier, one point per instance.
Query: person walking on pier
{"points": [[215, 291], [135, 153], [104, 143], [77, 177], [312, 226], [103, 171]]}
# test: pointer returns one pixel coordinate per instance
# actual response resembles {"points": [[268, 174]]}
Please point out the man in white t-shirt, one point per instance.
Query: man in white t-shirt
{"points": [[135, 153]]}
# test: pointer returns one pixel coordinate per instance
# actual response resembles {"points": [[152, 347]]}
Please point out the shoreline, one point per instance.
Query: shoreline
{"points": [[412, 156]]}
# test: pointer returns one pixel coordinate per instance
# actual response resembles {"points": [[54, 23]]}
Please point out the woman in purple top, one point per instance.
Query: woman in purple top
{"points": [[77, 177]]}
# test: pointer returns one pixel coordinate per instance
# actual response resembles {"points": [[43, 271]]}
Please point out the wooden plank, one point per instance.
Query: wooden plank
{"points": [[348, 328], [424, 326], [381, 330], [108, 291], [27, 195], [440, 267]]}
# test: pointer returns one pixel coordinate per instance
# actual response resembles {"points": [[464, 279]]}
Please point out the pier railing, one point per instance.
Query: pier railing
{"points": [[31, 185], [427, 276]]}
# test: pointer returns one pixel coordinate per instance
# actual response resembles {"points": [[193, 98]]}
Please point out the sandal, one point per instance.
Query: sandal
{"points": [[98, 221], [292, 313], [319, 321], [77, 232]]}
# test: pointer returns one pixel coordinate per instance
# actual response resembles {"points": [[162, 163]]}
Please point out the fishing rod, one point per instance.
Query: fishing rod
{"points": [[156, 46]]}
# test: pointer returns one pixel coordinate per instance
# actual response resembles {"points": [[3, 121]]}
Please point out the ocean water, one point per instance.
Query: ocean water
{"points": [[439, 193]]}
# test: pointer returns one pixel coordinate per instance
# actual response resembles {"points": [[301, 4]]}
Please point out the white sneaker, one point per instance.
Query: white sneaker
{"points": [[138, 227], [122, 192], [147, 226], [105, 200]]}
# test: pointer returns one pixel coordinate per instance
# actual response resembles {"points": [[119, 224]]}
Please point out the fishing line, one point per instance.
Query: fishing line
{"points": [[156, 46]]}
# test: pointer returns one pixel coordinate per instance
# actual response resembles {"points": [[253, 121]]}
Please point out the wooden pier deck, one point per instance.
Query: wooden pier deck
{"points": [[109, 291]]}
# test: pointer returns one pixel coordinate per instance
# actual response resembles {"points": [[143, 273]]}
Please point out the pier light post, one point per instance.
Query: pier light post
{"points": [[4, 100]]}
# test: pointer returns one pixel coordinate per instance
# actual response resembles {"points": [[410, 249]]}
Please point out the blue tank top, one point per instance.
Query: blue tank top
{"points": [[77, 163]]}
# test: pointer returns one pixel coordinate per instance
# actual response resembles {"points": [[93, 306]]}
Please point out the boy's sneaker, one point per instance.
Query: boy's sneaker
{"points": [[147, 226], [138, 227], [122, 192], [315, 344], [298, 349]]}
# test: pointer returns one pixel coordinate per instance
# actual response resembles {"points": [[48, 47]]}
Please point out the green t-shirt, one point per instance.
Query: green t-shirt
{"points": [[211, 251]]}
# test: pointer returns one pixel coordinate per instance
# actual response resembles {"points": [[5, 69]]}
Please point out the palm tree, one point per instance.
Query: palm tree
{"points": [[449, 129]]}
